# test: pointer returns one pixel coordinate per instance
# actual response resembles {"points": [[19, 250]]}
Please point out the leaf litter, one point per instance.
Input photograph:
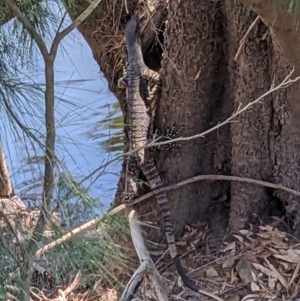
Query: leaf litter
{"points": [[247, 265]]}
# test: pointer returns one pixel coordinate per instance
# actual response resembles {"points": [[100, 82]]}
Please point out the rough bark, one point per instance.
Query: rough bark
{"points": [[250, 134], [282, 17], [202, 85], [194, 76]]}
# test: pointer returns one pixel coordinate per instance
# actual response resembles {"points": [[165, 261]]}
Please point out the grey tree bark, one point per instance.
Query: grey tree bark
{"points": [[202, 85]]}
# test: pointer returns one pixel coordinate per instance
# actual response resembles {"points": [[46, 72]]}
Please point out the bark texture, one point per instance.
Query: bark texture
{"points": [[194, 74], [203, 85], [250, 134]]}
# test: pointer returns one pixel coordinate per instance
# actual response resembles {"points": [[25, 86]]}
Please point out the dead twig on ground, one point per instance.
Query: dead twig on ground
{"points": [[147, 266]]}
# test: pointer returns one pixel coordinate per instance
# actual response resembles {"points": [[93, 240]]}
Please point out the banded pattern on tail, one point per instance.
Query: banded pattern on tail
{"points": [[136, 79]]}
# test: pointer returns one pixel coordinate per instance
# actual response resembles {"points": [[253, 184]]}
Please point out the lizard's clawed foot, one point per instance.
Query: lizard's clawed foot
{"points": [[170, 133], [127, 197]]}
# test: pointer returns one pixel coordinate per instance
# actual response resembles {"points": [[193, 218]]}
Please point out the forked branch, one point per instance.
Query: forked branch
{"points": [[147, 265], [241, 109]]}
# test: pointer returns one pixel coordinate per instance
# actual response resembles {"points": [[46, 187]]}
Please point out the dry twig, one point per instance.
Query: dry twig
{"points": [[284, 84], [87, 226], [243, 40], [147, 266]]}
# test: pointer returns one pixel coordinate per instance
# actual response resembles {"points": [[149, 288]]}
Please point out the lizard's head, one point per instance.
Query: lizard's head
{"points": [[132, 31]]}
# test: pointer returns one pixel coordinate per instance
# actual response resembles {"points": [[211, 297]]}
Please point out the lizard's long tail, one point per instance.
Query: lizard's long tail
{"points": [[154, 180]]}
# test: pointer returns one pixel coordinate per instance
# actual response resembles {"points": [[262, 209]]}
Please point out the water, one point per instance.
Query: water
{"points": [[88, 121]]}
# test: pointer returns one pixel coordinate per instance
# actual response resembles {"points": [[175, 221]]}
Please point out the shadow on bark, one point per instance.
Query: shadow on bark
{"points": [[203, 85]]}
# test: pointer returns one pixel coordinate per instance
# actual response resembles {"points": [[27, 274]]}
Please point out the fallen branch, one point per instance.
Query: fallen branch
{"points": [[147, 266], [80, 230], [75, 232]]}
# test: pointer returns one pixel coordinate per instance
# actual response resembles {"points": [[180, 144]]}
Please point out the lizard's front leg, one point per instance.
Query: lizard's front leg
{"points": [[165, 135], [131, 180], [154, 80]]}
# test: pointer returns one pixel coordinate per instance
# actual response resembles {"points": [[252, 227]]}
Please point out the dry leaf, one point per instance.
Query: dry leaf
{"points": [[245, 232], [251, 297], [195, 242], [229, 262], [290, 255], [240, 238], [266, 228], [263, 235], [181, 243], [198, 74], [244, 268], [278, 287], [285, 265], [179, 282], [254, 287], [271, 283], [254, 278], [295, 274], [211, 272], [277, 240], [274, 251], [233, 277], [272, 273], [230, 246]]}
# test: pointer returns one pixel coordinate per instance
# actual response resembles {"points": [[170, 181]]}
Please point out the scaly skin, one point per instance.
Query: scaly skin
{"points": [[140, 124]]}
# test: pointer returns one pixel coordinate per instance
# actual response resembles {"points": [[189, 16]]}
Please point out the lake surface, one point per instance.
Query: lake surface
{"points": [[89, 128]]}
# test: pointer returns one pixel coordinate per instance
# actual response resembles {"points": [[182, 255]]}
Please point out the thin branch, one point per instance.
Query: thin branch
{"points": [[87, 226], [285, 83], [134, 281], [72, 26], [61, 23], [216, 178], [49, 156], [37, 38], [77, 231], [243, 40], [147, 265]]}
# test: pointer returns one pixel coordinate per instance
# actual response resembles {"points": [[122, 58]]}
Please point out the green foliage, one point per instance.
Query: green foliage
{"points": [[93, 253]]}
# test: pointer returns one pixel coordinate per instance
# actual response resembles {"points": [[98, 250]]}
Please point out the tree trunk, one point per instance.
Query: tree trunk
{"points": [[250, 77], [203, 85], [195, 75]]}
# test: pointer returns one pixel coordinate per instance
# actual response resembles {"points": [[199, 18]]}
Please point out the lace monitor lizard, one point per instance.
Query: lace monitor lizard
{"points": [[135, 80]]}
